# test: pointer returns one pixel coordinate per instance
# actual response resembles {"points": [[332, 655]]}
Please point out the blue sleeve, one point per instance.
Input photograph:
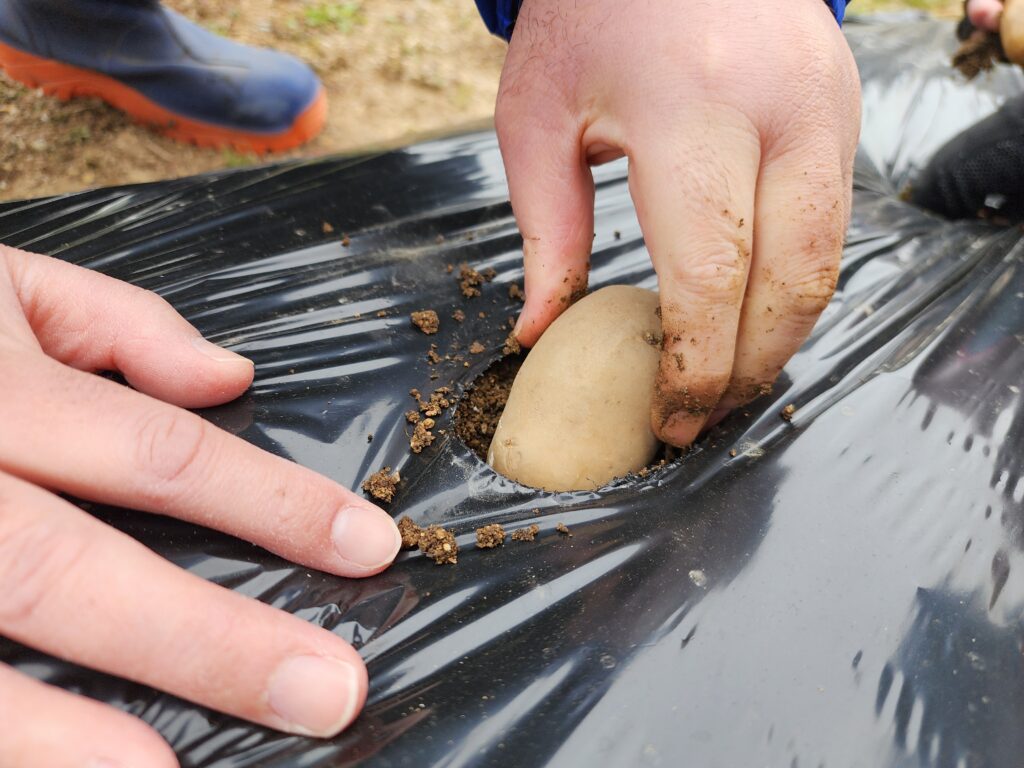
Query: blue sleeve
{"points": [[500, 15]]}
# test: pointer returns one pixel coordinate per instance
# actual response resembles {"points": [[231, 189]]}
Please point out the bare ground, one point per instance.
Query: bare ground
{"points": [[393, 69]]}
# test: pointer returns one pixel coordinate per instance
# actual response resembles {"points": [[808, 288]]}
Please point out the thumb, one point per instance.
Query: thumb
{"points": [[552, 193]]}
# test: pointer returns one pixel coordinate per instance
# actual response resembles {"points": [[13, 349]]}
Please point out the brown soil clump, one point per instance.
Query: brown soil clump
{"points": [[481, 407], [422, 436], [426, 320], [470, 281], [526, 534], [516, 293], [410, 533], [563, 529], [381, 485], [512, 345], [490, 536], [439, 545], [787, 412], [412, 416], [438, 401], [978, 53], [476, 348], [458, 316]]}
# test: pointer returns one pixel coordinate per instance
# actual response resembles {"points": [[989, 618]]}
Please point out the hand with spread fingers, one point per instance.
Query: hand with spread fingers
{"points": [[740, 121], [78, 589]]}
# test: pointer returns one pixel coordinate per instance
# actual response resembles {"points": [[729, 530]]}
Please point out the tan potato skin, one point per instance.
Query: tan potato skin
{"points": [[1011, 30], [579, 413]]}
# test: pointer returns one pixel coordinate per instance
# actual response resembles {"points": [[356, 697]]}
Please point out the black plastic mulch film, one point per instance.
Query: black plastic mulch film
{"points": [[846, 591]]}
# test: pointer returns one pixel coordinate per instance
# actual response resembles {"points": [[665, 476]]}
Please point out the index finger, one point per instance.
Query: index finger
{"points": [[695, 203], [100, 441]]}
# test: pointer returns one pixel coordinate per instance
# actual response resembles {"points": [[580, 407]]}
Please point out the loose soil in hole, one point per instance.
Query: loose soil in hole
{"points": [[477, 413]]}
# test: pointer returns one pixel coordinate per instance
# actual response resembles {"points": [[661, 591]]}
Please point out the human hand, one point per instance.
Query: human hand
{"points": [[740, 122], [985, 14], [80, 590]]}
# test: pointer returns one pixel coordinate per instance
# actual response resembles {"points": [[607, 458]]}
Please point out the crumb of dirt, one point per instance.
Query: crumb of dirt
{"points": [[563, 529], [412, 416], [480, 408], [978, 53], [449, 268], [654, 341], [381, 485], [470, 281], [515, 292], [421, 435], [482, 315], [476, 348], [345, 242], [489, 274], [439, 400], [382, 313], [617, 235], [787, 412], [512, 345], [369, 438], [526, 534], [426, 320], [490, 536], [439, 545], [511, 322], [432, 357], [535, 511], [732, 453], [326, 228], [439, 239], [458, 316], [410, 533]]}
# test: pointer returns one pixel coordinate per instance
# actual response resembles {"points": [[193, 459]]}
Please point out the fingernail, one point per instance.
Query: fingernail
{"points": [[314, 695], [219, 354], [367, 538]]}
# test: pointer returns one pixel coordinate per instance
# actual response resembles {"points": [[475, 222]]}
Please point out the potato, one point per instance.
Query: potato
{"points": [[1011, 30], [579, 412]]}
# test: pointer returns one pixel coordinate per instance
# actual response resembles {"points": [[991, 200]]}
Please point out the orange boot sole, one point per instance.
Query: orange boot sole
{"points": [[66, 82]]}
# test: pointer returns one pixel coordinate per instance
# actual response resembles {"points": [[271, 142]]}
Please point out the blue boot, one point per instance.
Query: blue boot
{"points": [[163, 70]]}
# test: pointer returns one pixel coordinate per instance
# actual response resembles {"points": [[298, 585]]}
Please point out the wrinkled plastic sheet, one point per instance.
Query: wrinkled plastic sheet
{"points": [[846, 591]]}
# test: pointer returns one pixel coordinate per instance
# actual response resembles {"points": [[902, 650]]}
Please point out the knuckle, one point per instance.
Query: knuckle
{"points": [[808, 295], [168, 444], [37, 557], [718, 276]]}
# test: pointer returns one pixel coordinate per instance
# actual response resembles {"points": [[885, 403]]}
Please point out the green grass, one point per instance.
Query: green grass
{"points": [[342, 16]]}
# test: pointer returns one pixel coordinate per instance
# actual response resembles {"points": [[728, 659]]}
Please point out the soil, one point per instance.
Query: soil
{"points": [[426, 320], [516, 293], [381, 485], [563, 529], [458, 316], [469, 281], [978, 53], [439, 545], [490, 536], [476, 348], [393, 70], [477, 414], [410, 533], [526, 534], [787, 412], [438, 401], [422, 436], [512, 345]]}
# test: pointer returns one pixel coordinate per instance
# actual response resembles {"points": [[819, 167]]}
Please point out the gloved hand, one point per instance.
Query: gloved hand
{"points": [[78, 589], [740, 121]]}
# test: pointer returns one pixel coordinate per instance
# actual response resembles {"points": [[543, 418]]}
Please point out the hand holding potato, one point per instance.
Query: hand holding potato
{"points": [[75, 588], [740, 122]]}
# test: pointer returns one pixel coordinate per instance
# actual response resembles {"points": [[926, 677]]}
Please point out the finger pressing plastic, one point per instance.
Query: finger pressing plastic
{"points": [[802, 208], [695, 203], [72, 589], [44, 725], [97, 440], [93, 322], [552, 192]]}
